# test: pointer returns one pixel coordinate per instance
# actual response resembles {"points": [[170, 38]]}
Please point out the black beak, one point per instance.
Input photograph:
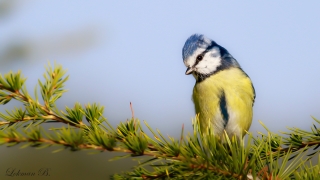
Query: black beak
{"points": [[189, 70]]}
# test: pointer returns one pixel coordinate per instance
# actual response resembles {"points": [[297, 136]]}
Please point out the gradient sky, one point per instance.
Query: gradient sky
{"points": [[131, 51], [136, 54]]}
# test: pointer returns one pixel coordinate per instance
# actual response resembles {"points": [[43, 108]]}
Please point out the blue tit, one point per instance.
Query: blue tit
{"points": [[223, 94]]}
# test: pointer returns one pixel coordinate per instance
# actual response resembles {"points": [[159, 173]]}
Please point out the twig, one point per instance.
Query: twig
{"points": [[132, 112]]}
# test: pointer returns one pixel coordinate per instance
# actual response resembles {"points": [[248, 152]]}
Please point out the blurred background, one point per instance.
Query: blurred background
{"points": [[123, 52]]}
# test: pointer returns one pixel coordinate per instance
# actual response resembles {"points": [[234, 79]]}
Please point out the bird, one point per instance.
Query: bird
{"points": [[223, 94]]}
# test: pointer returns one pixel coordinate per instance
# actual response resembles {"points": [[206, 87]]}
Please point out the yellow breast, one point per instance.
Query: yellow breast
{"points": [[239, 95]]}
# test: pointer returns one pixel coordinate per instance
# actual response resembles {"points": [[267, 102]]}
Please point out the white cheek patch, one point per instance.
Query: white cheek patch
{"points": [[209, 64]]}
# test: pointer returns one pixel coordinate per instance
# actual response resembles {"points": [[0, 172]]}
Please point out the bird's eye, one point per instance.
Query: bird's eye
{"points": [[199, 58]]}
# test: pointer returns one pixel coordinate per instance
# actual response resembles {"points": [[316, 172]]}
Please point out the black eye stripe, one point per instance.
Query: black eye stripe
{"points": [[201, 55], [212, 45], [199, 58]]}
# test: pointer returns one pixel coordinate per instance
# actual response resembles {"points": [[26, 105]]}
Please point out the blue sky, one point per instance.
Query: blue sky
{"points": [[124, 52]]}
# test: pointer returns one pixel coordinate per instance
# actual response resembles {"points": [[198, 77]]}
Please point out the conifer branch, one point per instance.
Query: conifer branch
{"points": [[268, 156]]}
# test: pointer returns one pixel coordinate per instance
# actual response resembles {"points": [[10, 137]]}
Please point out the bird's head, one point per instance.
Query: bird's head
{"points": [[204, 57]]}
